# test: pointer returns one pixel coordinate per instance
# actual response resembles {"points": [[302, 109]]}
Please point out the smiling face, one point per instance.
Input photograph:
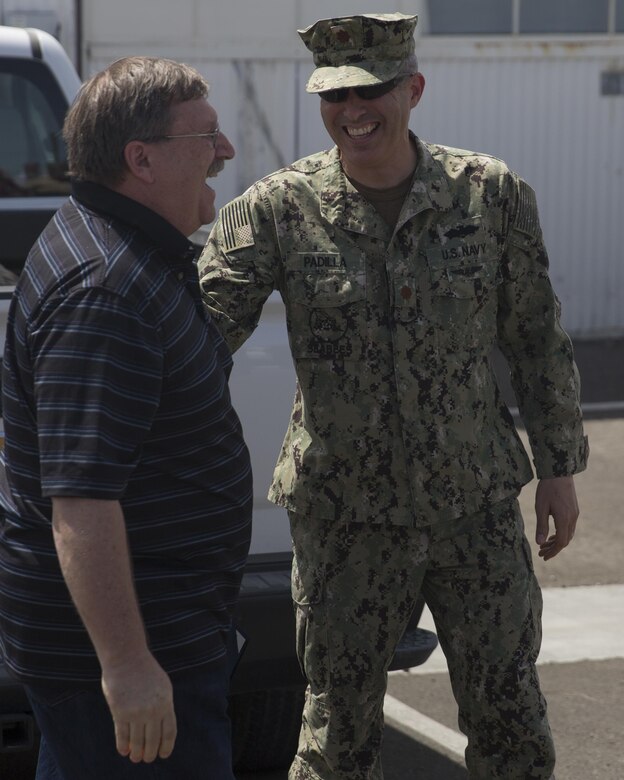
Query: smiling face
{"points": [[180, 166], [373, 135], [192, 160]]}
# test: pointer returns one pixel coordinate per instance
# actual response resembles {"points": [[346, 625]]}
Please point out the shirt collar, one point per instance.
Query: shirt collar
{"points": [[155, 228], [343, 205]]}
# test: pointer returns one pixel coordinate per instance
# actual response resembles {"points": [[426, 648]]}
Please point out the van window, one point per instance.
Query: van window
{"points": [[33, 159]]}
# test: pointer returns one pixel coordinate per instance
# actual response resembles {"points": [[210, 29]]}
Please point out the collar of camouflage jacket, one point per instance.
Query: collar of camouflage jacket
{"points": [[344, 206]]}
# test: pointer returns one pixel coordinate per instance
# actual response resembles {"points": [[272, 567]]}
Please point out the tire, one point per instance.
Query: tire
{"points": [[265, 728]]}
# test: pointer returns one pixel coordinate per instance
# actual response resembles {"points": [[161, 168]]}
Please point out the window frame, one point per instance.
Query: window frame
{"points": [[615, 23]]}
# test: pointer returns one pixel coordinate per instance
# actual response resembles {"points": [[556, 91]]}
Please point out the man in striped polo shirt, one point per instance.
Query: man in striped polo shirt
{"points": [[125, 482]]}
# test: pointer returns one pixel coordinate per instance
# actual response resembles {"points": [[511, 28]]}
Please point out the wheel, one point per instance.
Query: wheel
{"points": [[265, 728]]}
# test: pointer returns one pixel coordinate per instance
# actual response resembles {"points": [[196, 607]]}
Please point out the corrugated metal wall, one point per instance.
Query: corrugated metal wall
{"points": [[54, 16], [539, 106]]}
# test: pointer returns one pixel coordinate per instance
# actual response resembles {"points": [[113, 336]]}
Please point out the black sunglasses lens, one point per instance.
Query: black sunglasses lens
{"points": [[334, 95], [374, 91], [371, 92]]}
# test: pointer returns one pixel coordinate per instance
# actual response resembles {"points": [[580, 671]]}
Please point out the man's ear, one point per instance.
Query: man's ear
{"points": [[417, 86], [138, 158]]}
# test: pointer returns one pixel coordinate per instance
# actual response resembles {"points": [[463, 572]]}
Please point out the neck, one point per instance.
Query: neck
{"points": [[388, 174]]}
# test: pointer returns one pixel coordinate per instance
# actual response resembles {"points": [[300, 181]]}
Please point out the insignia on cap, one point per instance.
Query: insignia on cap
{"points": [[236, 224], [340, 33]]}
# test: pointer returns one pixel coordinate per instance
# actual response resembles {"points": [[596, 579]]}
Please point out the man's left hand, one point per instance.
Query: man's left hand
{"points": [[555, 497]]}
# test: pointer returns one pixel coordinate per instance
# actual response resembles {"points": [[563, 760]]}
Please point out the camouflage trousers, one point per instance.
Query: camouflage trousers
{"points": [[355, 587]]}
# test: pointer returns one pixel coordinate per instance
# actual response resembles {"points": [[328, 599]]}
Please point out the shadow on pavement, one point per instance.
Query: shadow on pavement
{"points": [[403, 758], [406, 759]]}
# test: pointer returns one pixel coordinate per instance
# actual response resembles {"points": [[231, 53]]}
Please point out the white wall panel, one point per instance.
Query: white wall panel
{"points": [[54, 16], [540, 108]]}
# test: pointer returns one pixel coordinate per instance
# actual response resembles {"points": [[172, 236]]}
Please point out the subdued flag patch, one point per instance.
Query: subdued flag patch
{"points": [[527, 219], [236, 225]]}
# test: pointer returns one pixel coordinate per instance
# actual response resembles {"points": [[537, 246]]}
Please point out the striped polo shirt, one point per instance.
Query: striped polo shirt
{"points": [[115, 386]]}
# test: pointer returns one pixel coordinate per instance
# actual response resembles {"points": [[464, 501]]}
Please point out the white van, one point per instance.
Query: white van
{"points": [[37, 84]]}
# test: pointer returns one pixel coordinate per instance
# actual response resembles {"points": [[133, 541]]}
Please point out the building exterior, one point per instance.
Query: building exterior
{"points": [[539, 83]]}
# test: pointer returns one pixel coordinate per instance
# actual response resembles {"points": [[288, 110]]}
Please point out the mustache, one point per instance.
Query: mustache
{"points": [[216, 168]]}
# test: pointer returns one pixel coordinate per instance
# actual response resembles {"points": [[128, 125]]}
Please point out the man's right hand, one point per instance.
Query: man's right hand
{"points": [[140, 698], [91, 541]]}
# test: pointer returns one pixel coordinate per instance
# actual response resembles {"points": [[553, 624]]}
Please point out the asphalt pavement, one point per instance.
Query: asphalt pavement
{"points": [[581, 666]]}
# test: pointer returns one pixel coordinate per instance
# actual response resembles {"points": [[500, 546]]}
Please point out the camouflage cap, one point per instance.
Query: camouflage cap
{"points": [[354, 51]]}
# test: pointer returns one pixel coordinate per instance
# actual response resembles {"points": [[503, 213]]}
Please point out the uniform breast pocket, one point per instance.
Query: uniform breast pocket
{"points": [[326, 306], [464, 301]]}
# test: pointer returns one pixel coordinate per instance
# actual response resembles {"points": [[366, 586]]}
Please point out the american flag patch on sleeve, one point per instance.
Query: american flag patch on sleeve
{"points": [[236, 225], [527, 219]]}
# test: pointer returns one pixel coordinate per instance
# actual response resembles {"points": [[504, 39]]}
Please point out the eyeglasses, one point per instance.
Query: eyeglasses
{"points": [[213, 135], [371, 92]]}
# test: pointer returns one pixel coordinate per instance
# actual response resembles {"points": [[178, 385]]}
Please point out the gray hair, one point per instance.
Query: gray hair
{"points": [[409, 66], [129, 100]]}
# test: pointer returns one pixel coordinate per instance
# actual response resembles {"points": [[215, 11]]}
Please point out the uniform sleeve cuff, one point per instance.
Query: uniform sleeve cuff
{"points": [[561, 459]]}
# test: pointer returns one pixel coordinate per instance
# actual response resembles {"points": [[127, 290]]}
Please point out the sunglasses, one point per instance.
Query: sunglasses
{"points": [[371, 92]]}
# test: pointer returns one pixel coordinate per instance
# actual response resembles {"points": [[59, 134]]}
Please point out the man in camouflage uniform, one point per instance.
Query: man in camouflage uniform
{"points": [[401, 265]]}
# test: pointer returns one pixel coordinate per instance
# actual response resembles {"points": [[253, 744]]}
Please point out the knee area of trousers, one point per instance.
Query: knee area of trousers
{"points": [[342, 728]]}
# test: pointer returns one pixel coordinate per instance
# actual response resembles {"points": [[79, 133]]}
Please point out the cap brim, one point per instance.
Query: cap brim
{"points": [[361, 75]]}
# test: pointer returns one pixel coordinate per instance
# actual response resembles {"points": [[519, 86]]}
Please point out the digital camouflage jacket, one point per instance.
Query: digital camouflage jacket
{"points": [[398, 416]]}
